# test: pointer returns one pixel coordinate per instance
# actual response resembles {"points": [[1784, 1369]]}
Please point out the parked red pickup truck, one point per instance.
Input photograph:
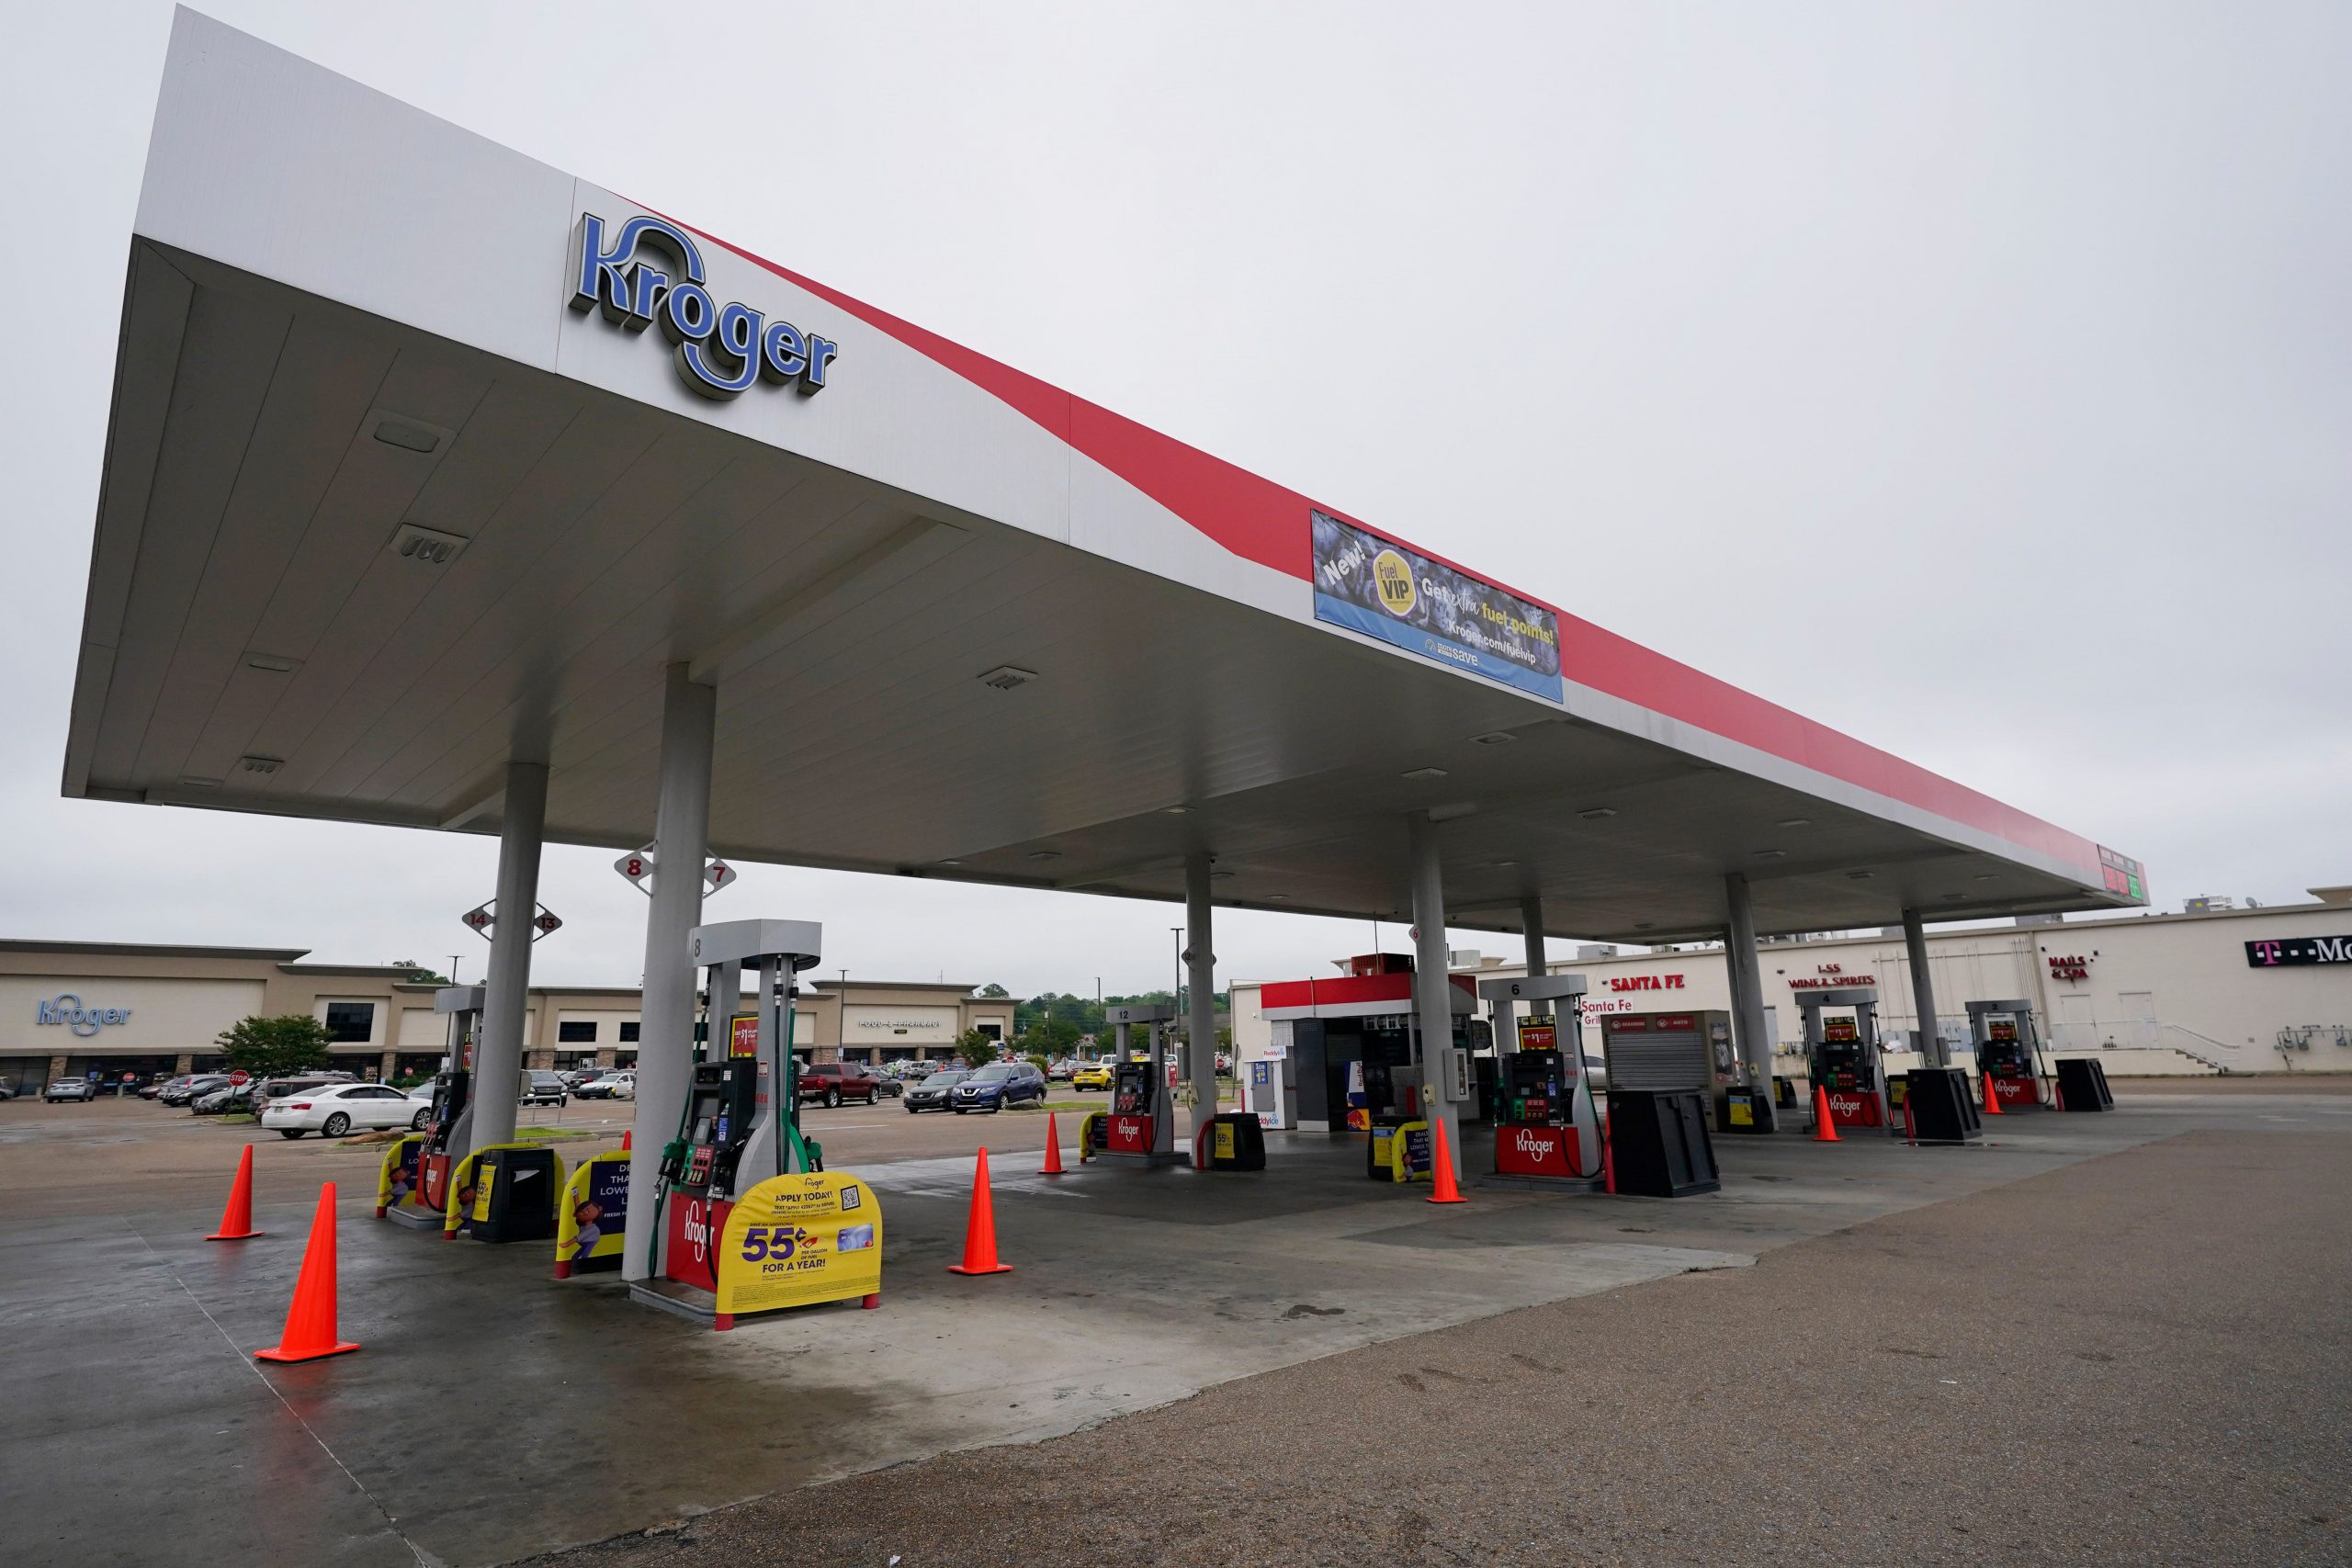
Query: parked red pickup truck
{"points": [[829, 1083]]}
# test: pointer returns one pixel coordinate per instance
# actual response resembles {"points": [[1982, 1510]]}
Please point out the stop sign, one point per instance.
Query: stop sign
{"points": [[237, 1076]]}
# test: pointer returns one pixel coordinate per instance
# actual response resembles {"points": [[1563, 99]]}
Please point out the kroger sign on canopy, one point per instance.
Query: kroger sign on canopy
{"points": [[720, 350]]}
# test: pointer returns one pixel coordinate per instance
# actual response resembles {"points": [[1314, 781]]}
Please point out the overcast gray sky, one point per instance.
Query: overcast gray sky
{"points": [[1975, 378]]}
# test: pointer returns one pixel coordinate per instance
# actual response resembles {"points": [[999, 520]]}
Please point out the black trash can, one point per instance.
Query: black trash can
{"points": [[2082, 1085], [1660, 1143], [1746, 1110], [1942, 1109], [1236, 1142], [514, 1195]]}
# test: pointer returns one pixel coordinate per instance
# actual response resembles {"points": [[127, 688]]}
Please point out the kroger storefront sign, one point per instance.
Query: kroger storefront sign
{"points": [[720, 350], [66, 1008]]}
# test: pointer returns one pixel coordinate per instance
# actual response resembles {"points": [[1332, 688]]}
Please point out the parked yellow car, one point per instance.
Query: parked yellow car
{"points": [[1091, 1074]]}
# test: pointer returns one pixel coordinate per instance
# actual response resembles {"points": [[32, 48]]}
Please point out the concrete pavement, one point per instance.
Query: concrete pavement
{"points": [[2138, 1358], [496, 1413]]}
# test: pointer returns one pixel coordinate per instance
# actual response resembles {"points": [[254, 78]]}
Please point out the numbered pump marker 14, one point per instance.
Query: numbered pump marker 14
{"points": [[637, 868]]}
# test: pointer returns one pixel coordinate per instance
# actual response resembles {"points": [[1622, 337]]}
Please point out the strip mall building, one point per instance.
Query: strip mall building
{"points": [[2240, 990], [67, 1009]]}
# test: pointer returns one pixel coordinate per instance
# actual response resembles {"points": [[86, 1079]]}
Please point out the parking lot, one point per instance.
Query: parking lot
{"points": [[1371, 1360]]}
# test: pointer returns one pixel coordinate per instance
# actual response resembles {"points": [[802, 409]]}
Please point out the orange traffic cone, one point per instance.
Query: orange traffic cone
{"points": [[1910, 1133], [1442, 1188], [310, 1322], [1053, 1166], [1825, 1130], [1992, 1100], [979, 1231], [625, 1140], [237, 1219]]}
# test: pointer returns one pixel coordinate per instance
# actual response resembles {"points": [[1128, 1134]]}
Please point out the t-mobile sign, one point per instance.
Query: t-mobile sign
{"points": [[2288, 951]]}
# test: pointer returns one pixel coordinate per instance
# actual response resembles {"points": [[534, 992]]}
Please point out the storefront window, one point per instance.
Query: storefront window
{"points": [[578, 1031], [351, 1023]]}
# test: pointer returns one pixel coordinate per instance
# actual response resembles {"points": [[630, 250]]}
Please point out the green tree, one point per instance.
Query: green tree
{"points": [[993, 989], [273, 1047], [420, 974], [978, 1049]]}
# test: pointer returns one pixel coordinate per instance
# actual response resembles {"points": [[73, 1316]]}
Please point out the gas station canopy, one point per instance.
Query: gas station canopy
{"points": [[425, 458]]}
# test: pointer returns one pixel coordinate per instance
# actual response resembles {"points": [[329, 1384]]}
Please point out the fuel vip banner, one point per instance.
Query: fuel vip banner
{"points": [[1394, 593]]}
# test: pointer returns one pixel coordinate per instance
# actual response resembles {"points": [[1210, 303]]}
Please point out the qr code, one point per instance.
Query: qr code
{"points": [[851, 1199]]}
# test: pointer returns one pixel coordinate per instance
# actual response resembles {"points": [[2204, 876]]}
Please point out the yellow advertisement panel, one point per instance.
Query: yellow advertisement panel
{"points": [[793, 1240], [396, 1182], [1403, 1153], [595, 1208]]}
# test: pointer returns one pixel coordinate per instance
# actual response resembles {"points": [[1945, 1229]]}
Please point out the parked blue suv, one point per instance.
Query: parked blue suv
{"points": [[994, 1087]]}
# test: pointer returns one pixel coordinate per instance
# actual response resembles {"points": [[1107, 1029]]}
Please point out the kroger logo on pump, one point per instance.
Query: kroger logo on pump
{"points": [[721, 349]]}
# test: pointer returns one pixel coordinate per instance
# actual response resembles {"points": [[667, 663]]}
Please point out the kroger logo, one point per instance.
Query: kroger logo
{"points": [[65, 1008], [1528, 1142], [721, 349]]}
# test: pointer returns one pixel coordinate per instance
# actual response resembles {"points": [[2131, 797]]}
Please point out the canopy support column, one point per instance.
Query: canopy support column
{"points": [[665, 1029], [506, 990], [1531, 927], [1432, 1007], [1746, 975], [1922, 992], [1200, 960]]}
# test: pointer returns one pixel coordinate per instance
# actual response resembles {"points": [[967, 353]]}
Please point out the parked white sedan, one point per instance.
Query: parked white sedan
{"points": [[339, 1108]]}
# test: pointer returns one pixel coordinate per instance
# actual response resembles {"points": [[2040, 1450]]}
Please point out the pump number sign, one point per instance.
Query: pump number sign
{"points": [[799, 1239]]}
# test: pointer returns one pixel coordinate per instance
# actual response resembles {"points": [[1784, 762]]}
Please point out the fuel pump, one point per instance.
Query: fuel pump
{"points": [[1846, 1059], [1141, 1126], [741, 1120], [2008, 1051], [448, 1126], [1547, 1127]]}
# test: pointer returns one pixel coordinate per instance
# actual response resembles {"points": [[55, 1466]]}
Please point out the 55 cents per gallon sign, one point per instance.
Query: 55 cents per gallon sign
{"points": [[1389, 591], [797, 1239]]}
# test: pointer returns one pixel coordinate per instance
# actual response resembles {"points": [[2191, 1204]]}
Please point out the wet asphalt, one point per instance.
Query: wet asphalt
{"points": [[2142, 1358]]}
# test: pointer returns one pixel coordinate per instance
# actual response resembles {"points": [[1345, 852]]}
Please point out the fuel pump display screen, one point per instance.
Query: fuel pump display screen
{"points": [[1537, 1090], [1130, 1096]]}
